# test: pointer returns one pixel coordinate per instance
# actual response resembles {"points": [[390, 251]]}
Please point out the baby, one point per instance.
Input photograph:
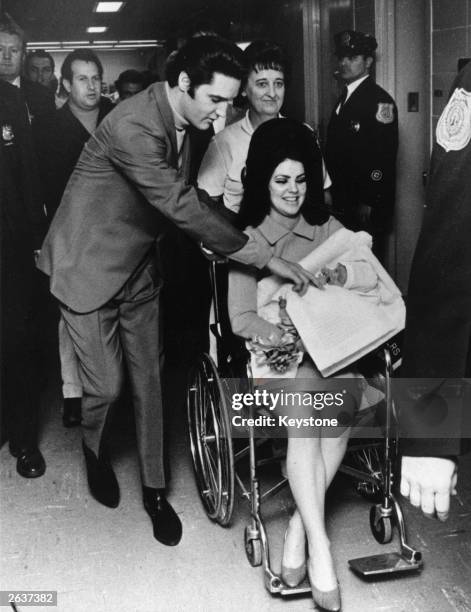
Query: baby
{"points": [[359, 276]]}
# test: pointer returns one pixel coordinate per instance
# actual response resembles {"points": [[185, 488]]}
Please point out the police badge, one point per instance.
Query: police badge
{"points": [[454, 126], [385, 113], [7, 134]]}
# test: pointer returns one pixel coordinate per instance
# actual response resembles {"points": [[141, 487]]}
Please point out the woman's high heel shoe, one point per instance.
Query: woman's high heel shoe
{"points": [[292, 576], [326, 600]]}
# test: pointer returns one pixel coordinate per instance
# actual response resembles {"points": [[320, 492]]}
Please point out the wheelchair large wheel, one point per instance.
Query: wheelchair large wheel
{"points": [[369, 461], [210, 440]]}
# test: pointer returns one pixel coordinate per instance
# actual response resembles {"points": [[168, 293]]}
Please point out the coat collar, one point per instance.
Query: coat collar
{"points": [[364, 84], [105, 107], [273, 231]]}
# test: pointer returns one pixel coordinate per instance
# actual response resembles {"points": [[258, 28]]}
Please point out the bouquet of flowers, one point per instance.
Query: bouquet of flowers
{"points": [[283, 354]]}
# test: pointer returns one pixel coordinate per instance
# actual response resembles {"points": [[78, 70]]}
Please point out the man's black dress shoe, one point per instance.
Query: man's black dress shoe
{"points": [[72, 412], [30, 462], [101, 478], [166, 524]]}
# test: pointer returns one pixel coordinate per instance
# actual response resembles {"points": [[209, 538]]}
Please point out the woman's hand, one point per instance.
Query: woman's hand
{"points": [[300, 277], [271, 335]]}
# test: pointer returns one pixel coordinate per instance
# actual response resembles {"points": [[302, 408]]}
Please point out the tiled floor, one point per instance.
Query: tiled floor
{"points": [[54, 536]]}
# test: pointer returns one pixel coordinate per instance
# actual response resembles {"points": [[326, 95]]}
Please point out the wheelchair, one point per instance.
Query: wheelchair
{"points": [[218, 458]]}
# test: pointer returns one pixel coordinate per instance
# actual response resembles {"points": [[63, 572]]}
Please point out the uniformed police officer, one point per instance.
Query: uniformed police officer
{"points": [[362, 142]]}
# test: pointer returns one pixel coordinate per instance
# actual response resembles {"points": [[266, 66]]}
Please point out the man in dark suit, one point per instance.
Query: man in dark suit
{"points": [[102, 254], [361, 145], [59, 139], [22, 229], [437, 348], [40, 101], [39, 68]]}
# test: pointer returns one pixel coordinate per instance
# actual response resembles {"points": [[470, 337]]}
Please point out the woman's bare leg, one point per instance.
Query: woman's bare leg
{"points": [[309, 487]]}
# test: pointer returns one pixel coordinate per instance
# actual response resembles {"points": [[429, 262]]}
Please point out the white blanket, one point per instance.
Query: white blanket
{"points": [[336, 325]]}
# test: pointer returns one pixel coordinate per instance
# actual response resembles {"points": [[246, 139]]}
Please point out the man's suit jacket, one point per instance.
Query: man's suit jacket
{"points": [[59, 139], [125, 184], [22, 222], [40, 99], [22, 215], [361, 152]]}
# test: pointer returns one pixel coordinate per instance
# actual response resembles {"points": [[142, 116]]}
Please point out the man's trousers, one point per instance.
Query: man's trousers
{"points": [[125, 332]]}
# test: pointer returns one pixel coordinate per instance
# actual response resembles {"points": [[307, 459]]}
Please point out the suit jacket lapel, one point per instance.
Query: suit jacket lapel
{"points": [[75, 127], [167, 118]]}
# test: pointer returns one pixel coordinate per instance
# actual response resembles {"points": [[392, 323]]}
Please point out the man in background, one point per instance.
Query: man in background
{"points": [[22, 229], [362, 139], [437, 346], [129, 83], [59, 140], [40, 100], [39, 68]]}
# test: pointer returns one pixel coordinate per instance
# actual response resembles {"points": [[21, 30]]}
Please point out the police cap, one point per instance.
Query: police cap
{"points": [[349, 43]]}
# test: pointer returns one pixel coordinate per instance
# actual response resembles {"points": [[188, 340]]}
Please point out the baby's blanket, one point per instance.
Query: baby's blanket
{"points": [[337, 325]]}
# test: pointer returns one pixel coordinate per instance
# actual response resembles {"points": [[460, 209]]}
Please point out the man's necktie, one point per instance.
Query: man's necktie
{"points": [[343, 96]]}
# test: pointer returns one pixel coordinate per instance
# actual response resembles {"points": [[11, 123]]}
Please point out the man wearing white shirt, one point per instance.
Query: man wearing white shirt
{"points": [[362, 142]]}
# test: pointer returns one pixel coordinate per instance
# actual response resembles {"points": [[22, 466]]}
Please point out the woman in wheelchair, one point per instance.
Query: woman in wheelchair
{"points": [[283, 206]]}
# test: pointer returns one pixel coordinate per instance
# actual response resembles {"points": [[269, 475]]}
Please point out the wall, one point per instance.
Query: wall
{"points": [[451, 39], [412, 75]]}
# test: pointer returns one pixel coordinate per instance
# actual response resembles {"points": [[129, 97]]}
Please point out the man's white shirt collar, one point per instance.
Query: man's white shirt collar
{"points": [[352, 86]]}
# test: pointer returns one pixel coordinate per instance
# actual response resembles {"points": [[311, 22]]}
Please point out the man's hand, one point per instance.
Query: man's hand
{"points": [[428, 482], [293, 272]]}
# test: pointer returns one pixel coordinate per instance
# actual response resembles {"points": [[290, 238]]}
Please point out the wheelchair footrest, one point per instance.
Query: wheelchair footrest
{"points": [[287, 591], [382, 565]]}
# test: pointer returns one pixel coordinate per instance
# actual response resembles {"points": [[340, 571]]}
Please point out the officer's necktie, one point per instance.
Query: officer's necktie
{"points": [[343, 97]]}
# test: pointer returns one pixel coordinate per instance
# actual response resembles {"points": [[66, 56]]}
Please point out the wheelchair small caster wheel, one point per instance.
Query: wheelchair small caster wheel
{"points": [[253, 549], [381, 526]]}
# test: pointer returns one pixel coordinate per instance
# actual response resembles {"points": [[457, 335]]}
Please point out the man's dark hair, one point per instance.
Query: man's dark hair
{"points": [[83, 55], [272, 143], [267, 55], [41, 54], [9, 26], [201, 57], [130, 76]]}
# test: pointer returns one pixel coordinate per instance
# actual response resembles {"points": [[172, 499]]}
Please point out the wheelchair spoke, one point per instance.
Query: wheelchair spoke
{"points": [[211, 444]]}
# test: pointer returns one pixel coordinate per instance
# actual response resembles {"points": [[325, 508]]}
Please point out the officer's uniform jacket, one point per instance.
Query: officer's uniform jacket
{"points": [[361, 155], [438, 324]]}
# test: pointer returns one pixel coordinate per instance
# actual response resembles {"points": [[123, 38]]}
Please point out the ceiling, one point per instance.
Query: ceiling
{"points": [[67, 20]]}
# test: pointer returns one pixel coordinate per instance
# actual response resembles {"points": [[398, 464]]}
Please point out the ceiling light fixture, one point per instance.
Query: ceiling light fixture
{"points": [[108, 7], [96, 44], [96, 29]]}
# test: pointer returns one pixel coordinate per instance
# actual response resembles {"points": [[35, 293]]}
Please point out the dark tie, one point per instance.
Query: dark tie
{"points": [[343, 97]]}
